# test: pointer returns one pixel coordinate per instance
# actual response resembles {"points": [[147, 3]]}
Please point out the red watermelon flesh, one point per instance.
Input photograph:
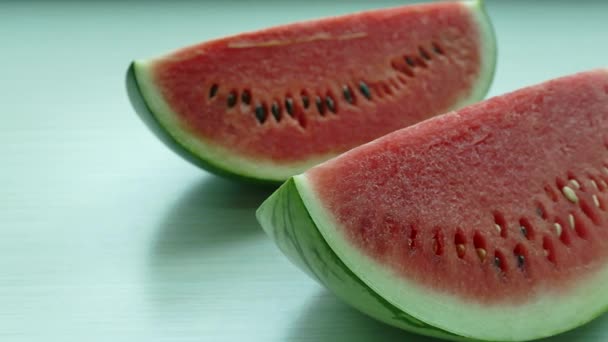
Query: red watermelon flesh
{"points": [[291, 96], [489, 223], [470, 203]]}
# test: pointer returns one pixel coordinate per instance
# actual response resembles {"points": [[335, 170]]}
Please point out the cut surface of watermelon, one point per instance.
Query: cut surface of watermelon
{"points": [[488, 223], [270, 104]]}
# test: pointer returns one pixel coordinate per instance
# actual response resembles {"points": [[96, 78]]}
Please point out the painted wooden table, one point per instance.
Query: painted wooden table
{"points": [[105, 235]]}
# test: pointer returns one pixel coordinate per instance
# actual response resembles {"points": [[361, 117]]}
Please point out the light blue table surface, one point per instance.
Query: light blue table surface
{"points": [[106, 235]]}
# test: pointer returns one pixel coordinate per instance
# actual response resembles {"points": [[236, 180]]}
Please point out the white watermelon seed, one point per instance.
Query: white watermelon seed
{"points": [[596, 201], [605, 169], [558, 229], [575, 183], [545, 252], [498, 227], [570, 194], [594, 184], [571, 221], [460, 249], [481, 253]]}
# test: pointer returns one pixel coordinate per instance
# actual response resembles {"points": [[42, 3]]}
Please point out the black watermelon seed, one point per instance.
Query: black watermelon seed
{"points": [[348, 95], [497, 262], [437, 49], [424, 54], [329, 101], [410, 61], [276, 111], [524, 231], [260, 113], [305, 101], [540, 212], [521, 261], [246, 97], [365, 90], [231, 99], [213, 91], [320, 106], [289, 106]]}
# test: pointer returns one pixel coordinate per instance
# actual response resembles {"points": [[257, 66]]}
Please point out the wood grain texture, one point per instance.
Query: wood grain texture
{"points": [[105, 235]]}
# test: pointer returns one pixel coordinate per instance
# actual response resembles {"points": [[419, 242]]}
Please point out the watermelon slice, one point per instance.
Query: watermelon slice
{"points": [[487, 223], [270, 104]]}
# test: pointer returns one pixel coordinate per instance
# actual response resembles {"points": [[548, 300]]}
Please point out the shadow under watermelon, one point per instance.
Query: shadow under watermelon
{"points": [[194, 243]]}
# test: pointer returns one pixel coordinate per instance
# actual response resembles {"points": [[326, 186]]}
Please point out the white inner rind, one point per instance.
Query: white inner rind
{"points": [[227, 159], [547, 313]]}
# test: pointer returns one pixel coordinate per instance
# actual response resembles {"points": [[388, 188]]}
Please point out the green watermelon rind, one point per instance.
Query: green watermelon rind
{"points": [[285, 218], [293, 222], [149, 104]]}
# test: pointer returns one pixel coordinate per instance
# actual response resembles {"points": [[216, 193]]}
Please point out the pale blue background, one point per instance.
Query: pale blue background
{"points": [[105, 235]]}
